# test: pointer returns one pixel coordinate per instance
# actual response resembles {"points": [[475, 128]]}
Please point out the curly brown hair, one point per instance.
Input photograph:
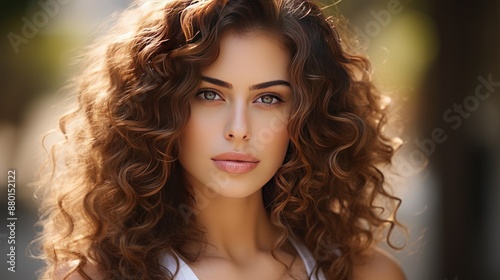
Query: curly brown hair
{"points": [[112, 196]]}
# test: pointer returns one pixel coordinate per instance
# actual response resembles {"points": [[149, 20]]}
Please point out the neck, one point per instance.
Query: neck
{"points": [[236, 227]]}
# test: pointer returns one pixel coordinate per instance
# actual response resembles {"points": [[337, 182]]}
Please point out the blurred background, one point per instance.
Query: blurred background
{"points": [[439, 60]]}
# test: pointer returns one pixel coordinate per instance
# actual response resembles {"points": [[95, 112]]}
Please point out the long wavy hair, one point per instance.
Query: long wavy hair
{"points": [[114, 194]]}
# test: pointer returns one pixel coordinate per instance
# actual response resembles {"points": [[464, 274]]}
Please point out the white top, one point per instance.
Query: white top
{"points": [[186, 273]]}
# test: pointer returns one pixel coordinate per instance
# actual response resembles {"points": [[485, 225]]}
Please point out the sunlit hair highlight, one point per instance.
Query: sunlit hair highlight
{"points": [[114, 194]]}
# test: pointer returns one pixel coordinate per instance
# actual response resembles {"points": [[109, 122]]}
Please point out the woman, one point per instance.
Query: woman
{"points": [[220, 140]]}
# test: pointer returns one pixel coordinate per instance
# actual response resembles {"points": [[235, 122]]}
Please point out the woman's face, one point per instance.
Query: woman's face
{"points": [[236, 137]]}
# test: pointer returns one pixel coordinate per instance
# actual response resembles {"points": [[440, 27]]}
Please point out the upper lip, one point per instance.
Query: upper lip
{"points": [[236, 157]]}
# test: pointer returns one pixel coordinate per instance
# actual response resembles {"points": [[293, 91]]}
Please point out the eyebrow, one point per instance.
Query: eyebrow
{"points": [[252, 87]]}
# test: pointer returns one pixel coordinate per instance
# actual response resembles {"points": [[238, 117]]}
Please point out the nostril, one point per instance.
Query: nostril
{"points": [[234, 136]]}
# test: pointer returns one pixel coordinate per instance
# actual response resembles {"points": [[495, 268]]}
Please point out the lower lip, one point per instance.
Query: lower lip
{"points": [[235, 166]]}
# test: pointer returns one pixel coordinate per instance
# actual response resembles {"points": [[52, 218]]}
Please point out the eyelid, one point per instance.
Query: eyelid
{"points": [[202, 90], [272, 94], [218, 93]]}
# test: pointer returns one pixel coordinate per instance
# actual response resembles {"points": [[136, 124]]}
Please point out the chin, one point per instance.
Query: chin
{"points": [[235, 191]]}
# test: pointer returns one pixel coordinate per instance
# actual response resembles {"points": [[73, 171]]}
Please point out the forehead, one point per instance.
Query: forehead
{"points": [[250, 58]]}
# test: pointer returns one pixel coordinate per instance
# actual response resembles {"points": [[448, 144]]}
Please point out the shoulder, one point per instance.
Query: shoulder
{"points": [[67, 271], [378, 264]]}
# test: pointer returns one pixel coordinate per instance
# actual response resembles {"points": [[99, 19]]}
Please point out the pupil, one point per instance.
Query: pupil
{"points": [[209, 95]]}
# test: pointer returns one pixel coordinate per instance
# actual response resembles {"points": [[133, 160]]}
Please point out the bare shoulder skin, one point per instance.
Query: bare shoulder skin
{"points": [[377, 265]]}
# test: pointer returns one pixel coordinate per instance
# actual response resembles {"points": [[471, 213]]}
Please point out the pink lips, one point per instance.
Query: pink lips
{"points": [[235, 162]]}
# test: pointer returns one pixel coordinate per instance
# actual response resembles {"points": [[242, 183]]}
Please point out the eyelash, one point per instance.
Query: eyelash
{"points": [[204, 90]]}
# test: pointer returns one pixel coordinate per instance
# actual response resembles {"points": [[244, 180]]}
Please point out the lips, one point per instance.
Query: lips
{"points": [[235, 162], [236, 157]]}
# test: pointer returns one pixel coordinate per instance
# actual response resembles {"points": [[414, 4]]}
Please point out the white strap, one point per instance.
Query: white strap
{"points": [[186, 273], [308, 260]]}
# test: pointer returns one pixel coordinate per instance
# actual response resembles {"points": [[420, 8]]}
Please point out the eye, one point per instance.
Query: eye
{"points": [[208, 94], [270, 99]]}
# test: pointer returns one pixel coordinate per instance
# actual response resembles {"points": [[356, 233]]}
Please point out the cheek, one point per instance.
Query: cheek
{"points": [[200, 127], [192, 138], [282, 143], [272, 137]]}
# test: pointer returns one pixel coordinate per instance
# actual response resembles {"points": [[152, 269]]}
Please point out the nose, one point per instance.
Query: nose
{"points": [[237, 127]]}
